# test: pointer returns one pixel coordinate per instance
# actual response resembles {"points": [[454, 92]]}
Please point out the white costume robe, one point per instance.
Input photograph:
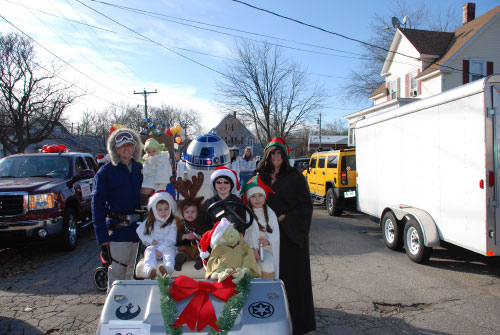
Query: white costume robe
{"points": [[157, 171], [252, 235], [166, 237]]}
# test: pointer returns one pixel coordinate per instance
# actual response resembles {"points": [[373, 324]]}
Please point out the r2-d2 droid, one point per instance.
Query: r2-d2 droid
{"points": [[205, 154]]}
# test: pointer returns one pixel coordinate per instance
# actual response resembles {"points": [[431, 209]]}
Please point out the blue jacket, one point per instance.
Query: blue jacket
{"points": [[116, 190]]}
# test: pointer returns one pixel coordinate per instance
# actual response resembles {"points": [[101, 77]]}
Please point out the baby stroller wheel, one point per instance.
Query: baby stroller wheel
{"points": [[101, 278]]}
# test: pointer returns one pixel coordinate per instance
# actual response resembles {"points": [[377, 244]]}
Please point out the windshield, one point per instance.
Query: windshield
{"points": [[35, 166]]}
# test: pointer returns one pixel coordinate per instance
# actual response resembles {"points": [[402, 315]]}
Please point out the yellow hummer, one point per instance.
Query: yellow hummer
{"points": [[331, 177]]}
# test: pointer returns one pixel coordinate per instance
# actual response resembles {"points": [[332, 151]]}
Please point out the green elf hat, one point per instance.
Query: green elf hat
{"points": [[254, 185], [280, 142]]}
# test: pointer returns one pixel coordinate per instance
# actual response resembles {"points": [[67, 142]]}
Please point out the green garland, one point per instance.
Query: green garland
{"points": [[227, 316]]}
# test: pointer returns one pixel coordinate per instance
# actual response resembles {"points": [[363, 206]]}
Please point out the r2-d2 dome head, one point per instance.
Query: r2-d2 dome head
{"points": [[207, 152]]}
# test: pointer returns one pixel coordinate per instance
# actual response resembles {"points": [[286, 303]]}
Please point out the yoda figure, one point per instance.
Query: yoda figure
{"points": [[231, 255]]}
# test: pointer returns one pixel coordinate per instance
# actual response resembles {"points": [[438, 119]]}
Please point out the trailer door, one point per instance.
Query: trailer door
{"points": [[496, 102]]}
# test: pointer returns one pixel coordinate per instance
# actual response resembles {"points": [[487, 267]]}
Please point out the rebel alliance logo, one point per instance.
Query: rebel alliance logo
{"points": [[261, 310], [128, 314]]}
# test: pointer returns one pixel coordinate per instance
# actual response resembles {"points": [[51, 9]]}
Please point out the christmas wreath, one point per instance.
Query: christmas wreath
{"points": [[172, 291]]}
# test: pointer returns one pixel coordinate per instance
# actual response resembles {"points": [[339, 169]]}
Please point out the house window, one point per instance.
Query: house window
{"points": [[393, 88], [477, 69], [351, 136], [413, 84]]}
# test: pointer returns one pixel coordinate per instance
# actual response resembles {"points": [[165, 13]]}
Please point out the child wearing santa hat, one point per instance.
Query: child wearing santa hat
{"points": [[264, 233], [159, 233], [225, 183]]}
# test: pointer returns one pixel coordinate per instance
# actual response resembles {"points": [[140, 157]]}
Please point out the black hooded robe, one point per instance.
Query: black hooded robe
{"points": [[293, 199]]}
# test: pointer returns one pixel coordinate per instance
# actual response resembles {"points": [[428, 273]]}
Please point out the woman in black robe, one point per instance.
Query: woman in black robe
{"points": [[293, 206]]}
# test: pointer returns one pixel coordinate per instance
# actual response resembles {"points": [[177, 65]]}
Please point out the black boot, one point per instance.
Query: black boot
{"points": [[198, 264], [180, 259]]}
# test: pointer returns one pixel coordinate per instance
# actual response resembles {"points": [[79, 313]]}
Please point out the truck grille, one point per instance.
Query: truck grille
{"points": [[11, 204]]}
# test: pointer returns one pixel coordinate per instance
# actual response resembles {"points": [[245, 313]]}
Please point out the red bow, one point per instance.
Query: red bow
{"points": [[200, 308]]}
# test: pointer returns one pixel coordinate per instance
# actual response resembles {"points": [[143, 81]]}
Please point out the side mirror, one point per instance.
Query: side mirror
{"points": [[85, 174]]}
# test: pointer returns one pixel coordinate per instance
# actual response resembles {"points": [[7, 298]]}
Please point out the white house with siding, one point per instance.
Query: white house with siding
{"points": [[423, 63]]}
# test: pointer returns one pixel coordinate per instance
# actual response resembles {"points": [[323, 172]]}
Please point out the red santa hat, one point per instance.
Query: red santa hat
{"points": [[223, 171], [161, 195], [102, 159], [212, 236]]}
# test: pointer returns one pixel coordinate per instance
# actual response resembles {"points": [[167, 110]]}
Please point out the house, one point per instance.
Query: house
{"points": [[326, 143], [74, 143], [236, 135], [422, 63]]}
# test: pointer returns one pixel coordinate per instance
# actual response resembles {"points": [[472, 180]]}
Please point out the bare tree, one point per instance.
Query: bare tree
{"points": [[366, 79], [268, 91], [32, 97], [337, 127]]}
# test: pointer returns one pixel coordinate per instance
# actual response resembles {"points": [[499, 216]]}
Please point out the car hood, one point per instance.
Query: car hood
{"points": [[29, 184]]}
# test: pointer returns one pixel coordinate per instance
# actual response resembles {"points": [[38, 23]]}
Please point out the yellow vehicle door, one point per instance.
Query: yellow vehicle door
{"points": [[311, 174], [332, 169], [321, 175]]}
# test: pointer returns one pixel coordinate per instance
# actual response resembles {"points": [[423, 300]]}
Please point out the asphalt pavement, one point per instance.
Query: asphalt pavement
{"points": [[360, 286]]}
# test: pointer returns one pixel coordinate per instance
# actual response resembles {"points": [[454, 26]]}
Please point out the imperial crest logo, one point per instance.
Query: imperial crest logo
{"points": [[261, 310]]}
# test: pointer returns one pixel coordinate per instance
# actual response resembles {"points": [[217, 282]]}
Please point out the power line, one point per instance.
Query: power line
{"points": [[337, 34], [162, 16], [62, 60], [101, 40], [152, 41], [144, 39]]}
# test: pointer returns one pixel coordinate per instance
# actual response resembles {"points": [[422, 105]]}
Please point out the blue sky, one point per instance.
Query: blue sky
{"points": [[112, 62]]}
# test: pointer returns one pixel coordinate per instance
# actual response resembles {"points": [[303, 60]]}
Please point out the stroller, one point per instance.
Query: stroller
{"points": [[101, 273]]}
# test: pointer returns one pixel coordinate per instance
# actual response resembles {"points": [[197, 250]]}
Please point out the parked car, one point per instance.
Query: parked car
{"points": [[331, 176], [300, 163], [45, 197]]}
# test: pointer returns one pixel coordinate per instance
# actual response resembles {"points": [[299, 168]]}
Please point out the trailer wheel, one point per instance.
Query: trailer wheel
{"points": [[392, 229], [332, 204], [414, 243]]}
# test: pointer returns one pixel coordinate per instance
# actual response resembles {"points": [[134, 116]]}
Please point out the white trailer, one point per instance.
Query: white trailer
{"points": [[430, 171]]}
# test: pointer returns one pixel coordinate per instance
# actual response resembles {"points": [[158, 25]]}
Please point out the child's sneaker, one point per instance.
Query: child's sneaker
{"points": [[198, 264], [180, 259], [152, 274]]}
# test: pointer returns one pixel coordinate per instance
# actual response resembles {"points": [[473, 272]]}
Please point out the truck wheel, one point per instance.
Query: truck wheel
{"points": [[332, 204], [392, 230], [69, 234], [414, 243]]}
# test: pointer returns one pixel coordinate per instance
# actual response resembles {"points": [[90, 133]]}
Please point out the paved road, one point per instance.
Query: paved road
{"points": [[360, 286]]}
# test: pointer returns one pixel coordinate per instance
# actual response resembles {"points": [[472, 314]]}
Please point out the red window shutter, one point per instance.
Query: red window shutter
{"points": [[465, 71], [398, 89], [407, 85], [489, 68]]}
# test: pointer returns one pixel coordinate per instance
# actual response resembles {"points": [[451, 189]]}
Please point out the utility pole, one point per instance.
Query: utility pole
{"points": [[319, 121], [146, 100]]}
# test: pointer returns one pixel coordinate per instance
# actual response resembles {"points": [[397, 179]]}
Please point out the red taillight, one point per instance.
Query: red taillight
{"points": [[481, 184], [491, 178], [343, 178]]}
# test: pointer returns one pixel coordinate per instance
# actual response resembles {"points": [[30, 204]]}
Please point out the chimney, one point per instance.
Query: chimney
{"points": [[234, 113], [469, 12]]}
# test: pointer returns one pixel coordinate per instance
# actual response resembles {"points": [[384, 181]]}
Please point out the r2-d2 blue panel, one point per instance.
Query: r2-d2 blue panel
{"points": [[207, 152]]}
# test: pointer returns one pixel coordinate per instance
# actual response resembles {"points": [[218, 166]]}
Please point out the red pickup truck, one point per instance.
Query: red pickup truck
{"points": [[45, 197]]}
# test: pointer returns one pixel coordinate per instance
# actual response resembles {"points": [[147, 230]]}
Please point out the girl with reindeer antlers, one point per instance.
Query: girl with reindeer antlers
{"points": [[191, 226]]}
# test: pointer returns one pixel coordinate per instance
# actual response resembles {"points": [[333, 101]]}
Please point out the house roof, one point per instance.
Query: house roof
{"points": [[379, 90], [428, 42], [227, 119], [461, 36], [441, 44]]}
